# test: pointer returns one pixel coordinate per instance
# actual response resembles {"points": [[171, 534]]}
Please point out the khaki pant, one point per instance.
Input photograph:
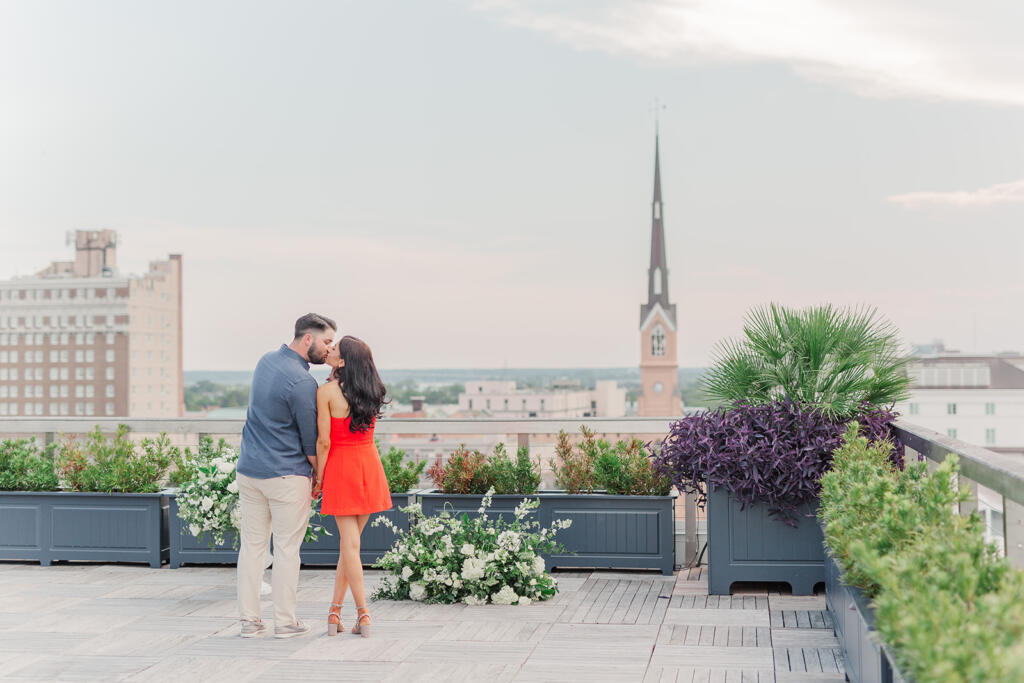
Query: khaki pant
{"points": [[278, 506]]}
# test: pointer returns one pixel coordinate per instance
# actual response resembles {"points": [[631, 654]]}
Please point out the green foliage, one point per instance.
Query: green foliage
{"points": [[507, 475], [207, 394], [115, 464], [402, 392], [463, 472], [24, 466], [872, 510], [473, 472], [830, 359], [574, 465], [947, 606], [625, 468], [402, 475]]}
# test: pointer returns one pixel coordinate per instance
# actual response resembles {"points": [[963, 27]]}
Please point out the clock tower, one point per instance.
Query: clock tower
{"points": [[659, 368]]}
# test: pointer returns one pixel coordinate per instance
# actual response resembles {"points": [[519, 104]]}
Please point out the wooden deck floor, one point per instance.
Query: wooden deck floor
{"points": [[114, 622]]}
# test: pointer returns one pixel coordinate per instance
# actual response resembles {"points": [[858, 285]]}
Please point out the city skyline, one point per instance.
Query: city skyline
{"points": [[470, 187]]}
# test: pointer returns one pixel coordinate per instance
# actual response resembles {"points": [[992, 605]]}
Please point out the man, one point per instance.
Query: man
{"points": [[275, 468]]}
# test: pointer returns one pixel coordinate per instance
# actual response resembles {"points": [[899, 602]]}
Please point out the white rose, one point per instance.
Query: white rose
{"points": [[417, 590], [406, 573], [468, 549], [233, 486]]}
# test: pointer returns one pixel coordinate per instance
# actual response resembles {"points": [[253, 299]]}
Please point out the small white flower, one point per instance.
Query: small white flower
{"points": [[505, 596]]}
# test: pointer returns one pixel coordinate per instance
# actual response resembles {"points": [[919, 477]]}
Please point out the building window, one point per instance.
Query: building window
{"points": [[89, 356], [110, 391], [79, 356], [990, 408], [471, 404], [488, 404], [110, 373], [990, 436], [79, 409], [110, 355], [950, 409], [90, 408], [951, 432], [110, 409], [658, 341], [657, 282]]}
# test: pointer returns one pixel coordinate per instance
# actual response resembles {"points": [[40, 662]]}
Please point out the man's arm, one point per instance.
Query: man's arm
{"points": [[323, 442], [303, 405]]}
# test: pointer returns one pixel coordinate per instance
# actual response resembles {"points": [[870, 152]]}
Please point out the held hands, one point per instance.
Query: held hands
{"points": [[318, 487]]}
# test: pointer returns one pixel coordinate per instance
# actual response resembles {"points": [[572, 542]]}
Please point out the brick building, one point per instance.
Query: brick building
{"points": [[81, 339]]}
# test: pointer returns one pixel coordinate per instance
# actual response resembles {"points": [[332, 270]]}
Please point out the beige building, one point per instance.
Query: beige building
{"points": [[80, 339], [505, 400]]}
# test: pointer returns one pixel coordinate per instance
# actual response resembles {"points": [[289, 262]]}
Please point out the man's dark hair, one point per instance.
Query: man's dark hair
{"points": [[313, 321]]}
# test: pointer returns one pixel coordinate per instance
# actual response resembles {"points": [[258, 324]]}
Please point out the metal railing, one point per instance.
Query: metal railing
{"points": [[981, 471], [521, 430]]}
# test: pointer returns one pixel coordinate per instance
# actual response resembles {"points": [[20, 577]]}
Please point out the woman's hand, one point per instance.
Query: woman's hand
{"points": [[318, 488]]}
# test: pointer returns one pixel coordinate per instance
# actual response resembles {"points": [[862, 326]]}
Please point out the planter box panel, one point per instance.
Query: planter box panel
{"points": [[374, 542], [750, 545], [112, 527], [619, 532], [99, 527], [189, 549], [20, 527]]}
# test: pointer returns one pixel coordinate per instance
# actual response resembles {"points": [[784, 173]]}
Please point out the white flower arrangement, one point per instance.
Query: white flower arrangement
{"points": [[452, 558], [208, 499]]}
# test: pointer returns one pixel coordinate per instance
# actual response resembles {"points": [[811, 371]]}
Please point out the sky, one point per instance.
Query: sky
{"points": [[468, 184]]}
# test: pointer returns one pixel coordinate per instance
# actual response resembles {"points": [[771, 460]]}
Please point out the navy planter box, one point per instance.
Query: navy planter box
{"points": [[97, 527], [189, 549], [853, 619], [374, 542], [619, 532], [749, 545]]}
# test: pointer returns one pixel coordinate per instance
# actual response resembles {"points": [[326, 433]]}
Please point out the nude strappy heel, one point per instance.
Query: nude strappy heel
{"points": [[362, 628], [333, 627]]}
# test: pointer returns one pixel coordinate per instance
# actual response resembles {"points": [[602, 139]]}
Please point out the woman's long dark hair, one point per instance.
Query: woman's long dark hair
{"points": [[360, 383]]}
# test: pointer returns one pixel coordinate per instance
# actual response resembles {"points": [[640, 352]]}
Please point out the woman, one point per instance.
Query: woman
{"points": [[348, 468]]}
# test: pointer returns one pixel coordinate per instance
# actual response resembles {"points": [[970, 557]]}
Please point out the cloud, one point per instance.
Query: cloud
{"points": [[878, 48], [1003, 193]]}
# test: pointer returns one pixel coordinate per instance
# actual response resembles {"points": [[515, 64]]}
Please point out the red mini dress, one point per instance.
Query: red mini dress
{"points": [[354, 481]]}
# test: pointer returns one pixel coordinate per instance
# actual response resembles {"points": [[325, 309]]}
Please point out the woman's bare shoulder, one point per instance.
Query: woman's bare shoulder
{"points": [[329, 389]]}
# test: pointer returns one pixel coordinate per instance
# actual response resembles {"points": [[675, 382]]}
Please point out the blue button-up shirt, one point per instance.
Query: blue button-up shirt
{"points": [[280, 427]]}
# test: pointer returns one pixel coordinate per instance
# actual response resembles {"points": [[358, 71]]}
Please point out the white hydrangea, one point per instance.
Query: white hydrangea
{"points": [[473, 600], [468, 549], [510, 540], [523, 600], [233, 486], [538, 565], [473, 569], [417, 590], [505, 596], [406, 573]]}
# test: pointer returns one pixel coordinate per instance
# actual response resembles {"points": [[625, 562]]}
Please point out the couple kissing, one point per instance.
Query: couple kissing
{"points": [[301, 441]]}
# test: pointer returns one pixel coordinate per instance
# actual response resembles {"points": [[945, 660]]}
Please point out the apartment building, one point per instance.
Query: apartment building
{"points": [[78, 338], [503, 399]]}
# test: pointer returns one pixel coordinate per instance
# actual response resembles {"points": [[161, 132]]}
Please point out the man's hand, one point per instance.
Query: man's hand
{"points": [[318, 487]]}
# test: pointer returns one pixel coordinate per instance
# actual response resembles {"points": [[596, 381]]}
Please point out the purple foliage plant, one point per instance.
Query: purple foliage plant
{"points": [[773, 454]]}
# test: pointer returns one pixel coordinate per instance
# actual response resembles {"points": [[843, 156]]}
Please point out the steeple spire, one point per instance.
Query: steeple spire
{"points": [[657, 273]]}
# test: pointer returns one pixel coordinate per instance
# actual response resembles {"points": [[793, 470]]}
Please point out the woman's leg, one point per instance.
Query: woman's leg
{"points": [[350, 527]]}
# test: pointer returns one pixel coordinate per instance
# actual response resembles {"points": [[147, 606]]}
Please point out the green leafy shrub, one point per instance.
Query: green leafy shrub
{"points": [[948, 607], [507, 475], [574, 465], [402, 475], [463, 472], [871, 509], [115, 464], [834, 360], [626, 469], [24, 466], [951, 609]]}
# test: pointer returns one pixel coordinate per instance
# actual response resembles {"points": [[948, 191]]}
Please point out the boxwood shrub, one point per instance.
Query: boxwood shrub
{"points": [[26, 466], [947, 606]]}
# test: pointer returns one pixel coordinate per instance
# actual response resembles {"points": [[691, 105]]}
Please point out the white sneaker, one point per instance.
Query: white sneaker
{"points": [[296, 629], [252, 629]]}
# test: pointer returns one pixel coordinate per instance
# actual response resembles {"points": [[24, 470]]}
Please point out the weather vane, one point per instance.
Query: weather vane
{"points": [[656, 108]]}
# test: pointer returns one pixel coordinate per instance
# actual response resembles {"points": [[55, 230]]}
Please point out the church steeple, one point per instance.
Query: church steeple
{"points": [[657, 273]]}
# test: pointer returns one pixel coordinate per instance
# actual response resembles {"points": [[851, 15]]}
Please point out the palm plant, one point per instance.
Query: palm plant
{"points": [[831, 359]]}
